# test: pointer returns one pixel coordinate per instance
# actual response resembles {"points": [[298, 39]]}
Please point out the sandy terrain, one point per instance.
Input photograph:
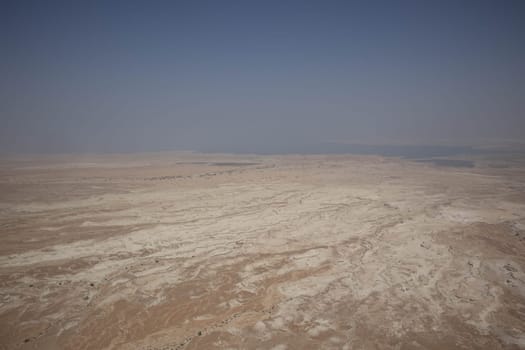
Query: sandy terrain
{"points": [[189, 251]]}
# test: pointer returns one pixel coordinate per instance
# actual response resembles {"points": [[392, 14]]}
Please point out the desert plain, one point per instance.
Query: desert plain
{"points": [[182, 250]]}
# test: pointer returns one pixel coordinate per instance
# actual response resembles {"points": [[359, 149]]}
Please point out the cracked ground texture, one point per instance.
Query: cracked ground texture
{"points": [[196, 251]]}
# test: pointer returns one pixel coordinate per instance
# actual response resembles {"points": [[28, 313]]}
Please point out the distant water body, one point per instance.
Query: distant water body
{"points": [[457, 163], [403, 151]]}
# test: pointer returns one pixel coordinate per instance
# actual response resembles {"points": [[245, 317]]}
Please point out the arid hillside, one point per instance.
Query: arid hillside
{"points": [[196, 251]]}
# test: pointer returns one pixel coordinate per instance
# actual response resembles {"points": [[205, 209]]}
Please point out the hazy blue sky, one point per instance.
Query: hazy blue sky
{"points": [[150, 75]]}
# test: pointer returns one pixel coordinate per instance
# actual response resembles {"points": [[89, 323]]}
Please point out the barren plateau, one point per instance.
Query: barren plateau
{"points": [[198, 251]]}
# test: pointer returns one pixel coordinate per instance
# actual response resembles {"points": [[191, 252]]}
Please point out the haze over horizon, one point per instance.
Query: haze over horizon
{"points": [[126, 76]]}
